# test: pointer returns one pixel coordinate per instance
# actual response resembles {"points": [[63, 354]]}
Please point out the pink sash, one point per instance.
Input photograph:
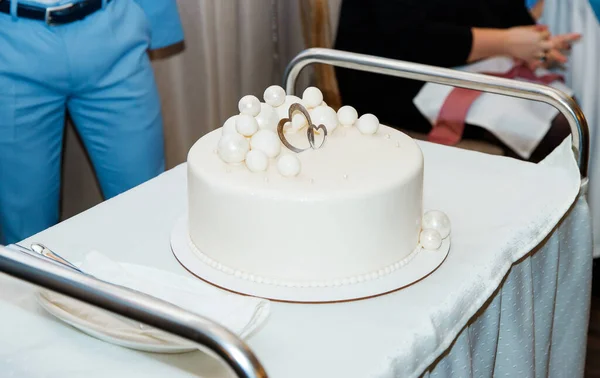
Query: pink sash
{"points": [[450, 123]]}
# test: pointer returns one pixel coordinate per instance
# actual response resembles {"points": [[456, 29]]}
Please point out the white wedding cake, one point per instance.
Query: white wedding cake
{"points": [[290, 193]]}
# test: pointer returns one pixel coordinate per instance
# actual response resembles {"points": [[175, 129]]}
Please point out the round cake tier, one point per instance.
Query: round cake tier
{"points": [[355, 208]]}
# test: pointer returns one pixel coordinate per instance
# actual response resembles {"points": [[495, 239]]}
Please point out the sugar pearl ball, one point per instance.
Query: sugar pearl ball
{"points": [[249, 105], [437, 220], [246, 125], [368, 124], [347, 116], [229, 126], [257, 161], [267, 119], [299, 121], [232, 148], [324, 115], [288, 165], [267, 142], [312, 97], [283, 110], [274, 96], [430, 239]]}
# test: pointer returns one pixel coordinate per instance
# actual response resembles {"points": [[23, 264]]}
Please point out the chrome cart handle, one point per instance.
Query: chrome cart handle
{"points": [[484, 83], [134, 305]]}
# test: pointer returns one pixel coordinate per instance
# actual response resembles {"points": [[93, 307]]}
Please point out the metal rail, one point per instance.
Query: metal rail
{"points": [[134, 305], [485, 83]]}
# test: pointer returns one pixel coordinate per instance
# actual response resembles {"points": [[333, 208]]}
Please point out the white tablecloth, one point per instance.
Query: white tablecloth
{"points": [[479, 314]]}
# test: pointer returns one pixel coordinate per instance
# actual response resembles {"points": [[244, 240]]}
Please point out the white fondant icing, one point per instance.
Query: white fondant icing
{"points": [[274, 96], [267, 241], [232, 148], [312, 97], [347, 116], [246, 125], [368, 124], [249, 105]]}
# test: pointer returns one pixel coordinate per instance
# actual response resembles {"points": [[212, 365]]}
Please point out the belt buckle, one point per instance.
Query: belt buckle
{"points": [[50, 10]]}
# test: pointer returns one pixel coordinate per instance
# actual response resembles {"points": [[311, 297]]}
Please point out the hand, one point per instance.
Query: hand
{"points": [[528, 43], [556, 56]]}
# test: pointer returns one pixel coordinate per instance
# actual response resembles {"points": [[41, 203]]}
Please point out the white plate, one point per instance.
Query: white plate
{"points": [[423, 264], [97, 332]]}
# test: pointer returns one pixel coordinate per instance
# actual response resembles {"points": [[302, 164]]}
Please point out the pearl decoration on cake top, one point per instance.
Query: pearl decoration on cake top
{"points": [[267, 142], [274, 96], [289, 165], [249, 105], [246, 125], [229, 126], [347, 116], [256, 128], [324, 115], [267, 119], [257, 161], [312, 97], [233, 148], [283, 110], [298, 122], [430, 239], [437, 220], [368, 124]]}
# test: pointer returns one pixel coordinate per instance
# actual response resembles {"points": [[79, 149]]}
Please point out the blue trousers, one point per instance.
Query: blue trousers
{"points": [[98, 70]]}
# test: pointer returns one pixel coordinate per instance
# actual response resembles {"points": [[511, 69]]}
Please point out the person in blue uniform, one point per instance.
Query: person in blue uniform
{"points": [[88, 58]]}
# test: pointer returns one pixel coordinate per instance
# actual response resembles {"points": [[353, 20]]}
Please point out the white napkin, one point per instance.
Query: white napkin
{"points": [[520, 124], [240, 314]]}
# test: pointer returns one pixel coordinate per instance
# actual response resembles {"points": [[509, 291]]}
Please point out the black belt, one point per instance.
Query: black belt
{"points": [[57, 15]]}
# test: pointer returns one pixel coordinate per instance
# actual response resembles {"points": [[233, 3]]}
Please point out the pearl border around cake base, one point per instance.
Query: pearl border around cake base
{"points": [[423, 263]]}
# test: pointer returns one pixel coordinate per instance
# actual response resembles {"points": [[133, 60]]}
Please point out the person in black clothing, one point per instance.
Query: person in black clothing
{"points": [[446, 33]]}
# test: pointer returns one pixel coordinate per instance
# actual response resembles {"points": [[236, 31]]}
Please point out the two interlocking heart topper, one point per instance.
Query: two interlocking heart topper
{"points": [[310, 131]]}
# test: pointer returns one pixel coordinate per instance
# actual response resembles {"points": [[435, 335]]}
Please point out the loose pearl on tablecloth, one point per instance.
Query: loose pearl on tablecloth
{"points": [[274, 96], [229, 126], [249, 105], [437, 220], [257, 161], [368, 124], [267, 142], [347, 116], [430, 239], [233, 148], [299, 121], [289, 165], [267, 119], [324, 115], [246, 125], [312, 97]]}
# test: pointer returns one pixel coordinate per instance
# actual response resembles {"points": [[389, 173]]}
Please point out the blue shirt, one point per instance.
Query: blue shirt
{"points": [[165, 23], [596, 7]]}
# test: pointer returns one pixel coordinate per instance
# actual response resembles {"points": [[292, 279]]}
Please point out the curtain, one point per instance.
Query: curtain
{"points": [[583, 75], [232, 48]]}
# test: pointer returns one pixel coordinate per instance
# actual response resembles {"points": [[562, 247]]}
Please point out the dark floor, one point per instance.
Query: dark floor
{"points": [[592, 363]]}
